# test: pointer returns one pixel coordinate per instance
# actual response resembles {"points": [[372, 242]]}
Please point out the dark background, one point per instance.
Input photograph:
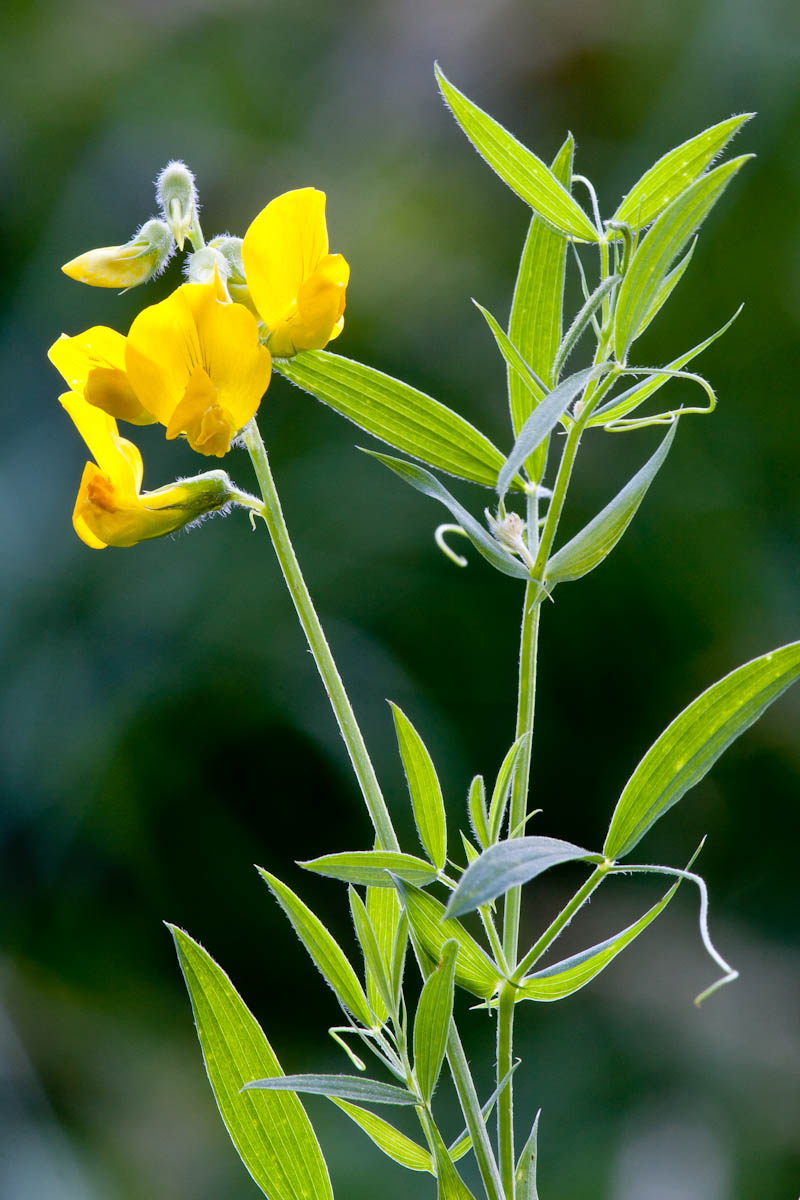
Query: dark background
{"points": [[162, 724]]}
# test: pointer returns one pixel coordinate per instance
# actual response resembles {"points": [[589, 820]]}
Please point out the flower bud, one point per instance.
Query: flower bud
{"points": [[203, 265], [231, 250], [126, 266], [177, 196]]}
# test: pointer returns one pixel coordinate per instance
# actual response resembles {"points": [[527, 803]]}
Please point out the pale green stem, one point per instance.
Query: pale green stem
{"points": [[340, 703], [561, 921], [505, 1112], [471, 1108]]}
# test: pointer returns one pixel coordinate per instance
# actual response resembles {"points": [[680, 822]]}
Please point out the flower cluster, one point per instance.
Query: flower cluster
{"points": [[200, 361]]}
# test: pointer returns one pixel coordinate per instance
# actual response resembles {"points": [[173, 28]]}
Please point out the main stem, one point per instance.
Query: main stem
{"points": [[272, 513]]}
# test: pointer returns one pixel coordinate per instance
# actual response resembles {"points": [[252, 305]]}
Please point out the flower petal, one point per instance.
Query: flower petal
{"points": [[117, 458], [317, 315], [282, 248]]}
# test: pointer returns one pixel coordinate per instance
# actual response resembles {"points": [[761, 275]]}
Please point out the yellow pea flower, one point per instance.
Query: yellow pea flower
{"points": [[126, 266], [196, 364], [93, 364], [296, 285], [111, 509]]}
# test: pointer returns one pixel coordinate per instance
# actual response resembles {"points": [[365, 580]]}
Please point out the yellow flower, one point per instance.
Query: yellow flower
{"points": [[111, 509], [93, 364], [296, 285], [196, 364], [124, 266]]}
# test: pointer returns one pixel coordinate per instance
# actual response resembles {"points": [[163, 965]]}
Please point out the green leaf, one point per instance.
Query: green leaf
{"points": [[272, 1134], [384, 911], [476, 806], [690, 746], [432, 1022], [510, 864], [373, 961], [619, 406], [344, 1087], [502, 787], [396, 413], [399, 955], [521, 170], [369, 867], [429, 485], [542, 421], [582, 320], [570, 975], [666, 288], [325, 951], [475, 971], [526, 1166], [536, 387], [424, 789], [536, 311], [664, 242], [596, 540], [449, 1184], [673, 173], [388, 1139]]}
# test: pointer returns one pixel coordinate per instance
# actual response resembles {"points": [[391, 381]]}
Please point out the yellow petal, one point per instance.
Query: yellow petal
{"points": [[113, 266], [317, 314], [198, 328], [282, 247], [117, 458], [93, 363]]}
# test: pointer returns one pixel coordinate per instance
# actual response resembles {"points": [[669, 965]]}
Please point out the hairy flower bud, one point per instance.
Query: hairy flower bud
{"points": [[126, 266], [177, 197], [205, 264]]}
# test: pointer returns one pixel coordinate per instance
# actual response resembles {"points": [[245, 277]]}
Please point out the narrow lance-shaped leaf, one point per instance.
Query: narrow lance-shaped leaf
{"points": [[396, 413], [449, 1184], [674, 171], [666, 288], [526, 1166], [391, 1141], [597, 539], [272, 1134], [463, 1143], [534, 327], [518, 167], [325, 951], [370, 867], [384, 911], [690, 746], [509, 864], [423, 787], [432, 1022], [374, 965], [344, 1087], [476, 805], [475, 971], [429, 485], [664, 242], [502, 787], [626, 402], [542, 420], [514, 360], [570, 975]]}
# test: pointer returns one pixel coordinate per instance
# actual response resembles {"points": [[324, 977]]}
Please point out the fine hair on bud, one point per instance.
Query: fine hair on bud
{"points": [[176, 182], [157, 234]]}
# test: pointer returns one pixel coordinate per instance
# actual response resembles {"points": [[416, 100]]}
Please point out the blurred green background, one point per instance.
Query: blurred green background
{"points": [[162, 725]]}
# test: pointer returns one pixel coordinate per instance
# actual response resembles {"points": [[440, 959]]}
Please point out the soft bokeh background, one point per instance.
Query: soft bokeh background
{"points": [[162, 726]]}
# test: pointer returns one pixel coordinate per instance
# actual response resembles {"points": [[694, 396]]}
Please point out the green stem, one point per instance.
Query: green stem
{"points": [[505, 1109], [471, 1108], [345, 717], [562, 920]]}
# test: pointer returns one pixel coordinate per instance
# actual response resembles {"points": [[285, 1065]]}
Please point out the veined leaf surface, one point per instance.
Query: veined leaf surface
{"points": [[509, 864]]}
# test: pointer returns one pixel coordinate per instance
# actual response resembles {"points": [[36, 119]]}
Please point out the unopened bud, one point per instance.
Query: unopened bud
{"points": [[126, 266], [177, 196], [204, 264], [509, 530], [231, 250]]}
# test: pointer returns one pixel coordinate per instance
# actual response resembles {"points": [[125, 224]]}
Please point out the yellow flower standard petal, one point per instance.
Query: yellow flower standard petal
{"points": [[110, 509], [296, 285], [93, 363], [195, 362]]}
